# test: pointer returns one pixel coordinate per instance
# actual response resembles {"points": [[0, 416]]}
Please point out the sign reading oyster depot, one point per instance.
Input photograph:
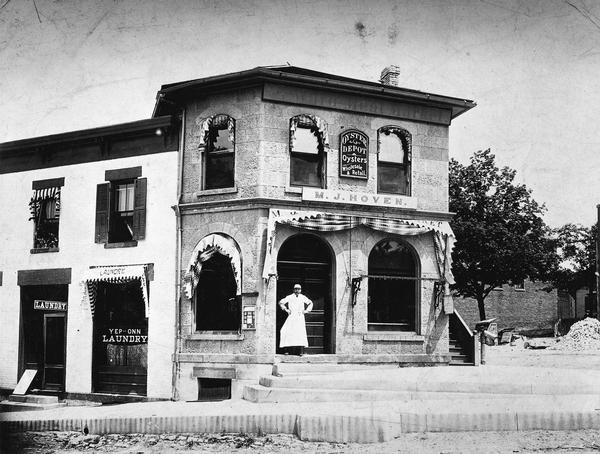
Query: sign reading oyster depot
{"points": [[354, 154]]}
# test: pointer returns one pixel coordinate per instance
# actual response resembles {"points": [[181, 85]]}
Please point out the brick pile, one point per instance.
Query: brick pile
{"points": [[583, 335]]}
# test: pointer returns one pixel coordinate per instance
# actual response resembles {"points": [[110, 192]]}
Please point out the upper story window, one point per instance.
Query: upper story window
{"points": [[393, 160], [121, 207], [45, 212], [219, 152], [308, 139]]}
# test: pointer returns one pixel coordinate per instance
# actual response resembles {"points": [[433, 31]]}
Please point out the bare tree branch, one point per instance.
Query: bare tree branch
{"points": [[5, 3]]}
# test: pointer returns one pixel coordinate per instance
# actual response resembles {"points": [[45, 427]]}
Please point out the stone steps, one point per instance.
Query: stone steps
{"points": [[30, 402]]}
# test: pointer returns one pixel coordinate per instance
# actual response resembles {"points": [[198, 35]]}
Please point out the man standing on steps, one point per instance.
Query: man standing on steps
{"points": [[293, 331]]}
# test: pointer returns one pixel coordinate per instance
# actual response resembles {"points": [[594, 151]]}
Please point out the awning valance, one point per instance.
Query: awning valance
{"points": [[204, 250], [46, 193], [113, 274], [328, 222]]}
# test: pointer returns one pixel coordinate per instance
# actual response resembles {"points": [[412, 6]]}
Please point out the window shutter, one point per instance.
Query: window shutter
{"points": [[139, 209], [102, 205]]}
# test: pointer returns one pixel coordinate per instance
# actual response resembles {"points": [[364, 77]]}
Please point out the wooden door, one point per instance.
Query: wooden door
{"points": [[53, 377], [305, 260]]}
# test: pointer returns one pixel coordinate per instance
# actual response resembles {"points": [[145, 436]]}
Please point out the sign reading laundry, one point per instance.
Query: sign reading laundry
{"points": [[354, 154], [49, 305], [125, 335], [358, 198]]}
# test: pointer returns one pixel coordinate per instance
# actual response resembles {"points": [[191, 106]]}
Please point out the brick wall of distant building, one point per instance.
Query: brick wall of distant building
{"points": [[531, 309]]}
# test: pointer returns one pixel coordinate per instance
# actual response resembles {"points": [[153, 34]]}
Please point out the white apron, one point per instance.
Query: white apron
{"points": [[293, 331]]}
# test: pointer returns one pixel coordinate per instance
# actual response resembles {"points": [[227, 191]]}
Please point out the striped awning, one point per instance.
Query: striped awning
{"points": [[204, 250], [46, 193], [328, 222], [113, 274]]}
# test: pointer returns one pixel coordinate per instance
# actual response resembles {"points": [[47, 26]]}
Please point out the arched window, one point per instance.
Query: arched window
{"points": [[392, 295], [219, 152], [214, 284], [308, 138], [393, 160]]}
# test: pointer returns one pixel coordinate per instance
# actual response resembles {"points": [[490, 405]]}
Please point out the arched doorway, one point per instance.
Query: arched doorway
{"points": [[306, 259]]}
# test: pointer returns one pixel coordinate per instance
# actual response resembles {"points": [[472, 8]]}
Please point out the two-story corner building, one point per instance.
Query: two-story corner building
{"points": [[295, 176], [87, 267]]}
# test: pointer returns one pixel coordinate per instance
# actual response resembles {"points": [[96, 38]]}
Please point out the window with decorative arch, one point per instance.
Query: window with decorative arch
{"points": [[219, 152], [392, 296], [394, 156], [308, 140], [213, 282]]}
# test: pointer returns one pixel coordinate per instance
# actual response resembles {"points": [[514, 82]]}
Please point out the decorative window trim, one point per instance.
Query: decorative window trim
{"points": [[216, 121], [310, 122], [222, 244], [406, 140], [220, 122]]}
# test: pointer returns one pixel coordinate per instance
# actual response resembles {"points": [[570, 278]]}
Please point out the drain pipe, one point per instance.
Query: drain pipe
{"points": [[177, 347]]}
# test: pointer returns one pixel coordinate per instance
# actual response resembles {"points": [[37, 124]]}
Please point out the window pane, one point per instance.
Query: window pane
{"points": [[217, 307], [124, 195], [305, 170], [130, 191], [392, 302], [390, 148], [219, 171], [306, 141], [391, 178], [221, 140]]}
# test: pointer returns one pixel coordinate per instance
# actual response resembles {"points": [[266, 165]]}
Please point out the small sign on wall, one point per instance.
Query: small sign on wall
{"points": [[354, 154], [249, 317], [124, 335], [45, 305]]}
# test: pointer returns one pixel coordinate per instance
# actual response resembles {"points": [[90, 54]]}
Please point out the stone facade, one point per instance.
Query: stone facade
{"points": [[262, 184]]}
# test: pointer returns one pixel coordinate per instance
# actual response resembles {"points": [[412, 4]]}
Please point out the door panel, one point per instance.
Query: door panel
{"points": [[54, 352]]}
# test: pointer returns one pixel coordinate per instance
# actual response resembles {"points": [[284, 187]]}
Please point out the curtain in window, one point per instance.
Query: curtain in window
{"points": [[39, 195], [204, 250], [113, 274]]}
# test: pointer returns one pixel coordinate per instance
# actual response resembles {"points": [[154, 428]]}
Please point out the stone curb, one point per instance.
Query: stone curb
{"points": [[331, 428]]}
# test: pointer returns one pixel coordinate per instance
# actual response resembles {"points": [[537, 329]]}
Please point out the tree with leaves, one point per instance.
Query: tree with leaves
{"points": [[501, 237], [576, 245]]}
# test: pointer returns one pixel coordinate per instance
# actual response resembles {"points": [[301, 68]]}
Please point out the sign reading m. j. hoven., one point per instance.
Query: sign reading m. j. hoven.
{"points": [[354, 154], [358, 198]]}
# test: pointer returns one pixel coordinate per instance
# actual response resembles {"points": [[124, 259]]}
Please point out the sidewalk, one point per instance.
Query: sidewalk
{"points": [[435, 399]]}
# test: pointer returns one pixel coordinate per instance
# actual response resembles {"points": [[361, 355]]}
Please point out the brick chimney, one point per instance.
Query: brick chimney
{"points": [[390, 75]]}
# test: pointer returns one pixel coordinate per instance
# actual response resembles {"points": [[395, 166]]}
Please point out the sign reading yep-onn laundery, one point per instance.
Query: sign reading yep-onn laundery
{"points": [[358, 198], [45, 305], [124, 335]]}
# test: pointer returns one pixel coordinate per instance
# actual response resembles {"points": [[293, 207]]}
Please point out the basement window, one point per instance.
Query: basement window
{"points": [[214, 389]]}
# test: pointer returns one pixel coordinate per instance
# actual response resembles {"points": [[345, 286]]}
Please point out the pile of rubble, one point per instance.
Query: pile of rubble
{"points": [[583, 335]]}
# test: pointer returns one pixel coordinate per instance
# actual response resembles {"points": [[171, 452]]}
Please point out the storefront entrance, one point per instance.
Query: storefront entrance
{"points": [[305, 259], [120, 339], [43, 334]]}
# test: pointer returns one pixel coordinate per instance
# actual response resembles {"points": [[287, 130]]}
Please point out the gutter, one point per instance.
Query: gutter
{"points": [[178, 234]]}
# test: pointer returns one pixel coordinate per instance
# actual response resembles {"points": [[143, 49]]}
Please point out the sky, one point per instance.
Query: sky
{"points": [[532, 67]]}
